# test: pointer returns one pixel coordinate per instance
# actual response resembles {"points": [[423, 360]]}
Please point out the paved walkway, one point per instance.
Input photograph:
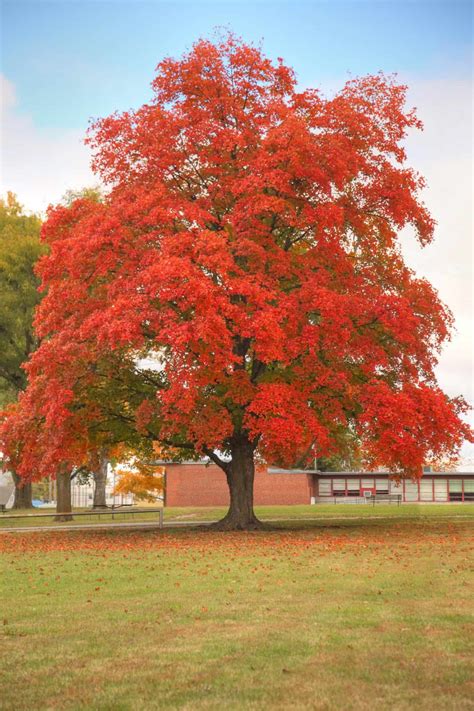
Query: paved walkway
{"points": [[101, 526]]}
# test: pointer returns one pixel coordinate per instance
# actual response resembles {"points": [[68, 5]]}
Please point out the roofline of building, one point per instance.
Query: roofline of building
{"points": [[364, 474], [317, 472], [164, 462]]}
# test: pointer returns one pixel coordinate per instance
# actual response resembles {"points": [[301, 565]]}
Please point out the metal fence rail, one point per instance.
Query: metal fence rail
{"points": [[397, 498], [102, 512]]}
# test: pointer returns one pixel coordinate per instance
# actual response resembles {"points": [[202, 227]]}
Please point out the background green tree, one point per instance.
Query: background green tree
{"points": [[20, 249]]}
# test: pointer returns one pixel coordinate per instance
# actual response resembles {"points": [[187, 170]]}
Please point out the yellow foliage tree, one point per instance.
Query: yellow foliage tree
{"points": [[144, 481]]}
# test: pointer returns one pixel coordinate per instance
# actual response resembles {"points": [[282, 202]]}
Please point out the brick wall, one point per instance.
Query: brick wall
{"points": [[200, 485]]}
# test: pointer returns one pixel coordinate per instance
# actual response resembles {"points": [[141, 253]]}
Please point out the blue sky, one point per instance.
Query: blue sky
{"points": [[73, 59]]}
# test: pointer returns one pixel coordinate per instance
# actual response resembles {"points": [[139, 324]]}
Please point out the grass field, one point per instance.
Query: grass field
{"points": [[360, 609], [266, 513]]}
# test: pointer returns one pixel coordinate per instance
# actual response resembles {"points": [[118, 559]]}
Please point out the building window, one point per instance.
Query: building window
{"points": [[426, 490], [353, 487], [468, 490], [411, 491], [339, 487], [324, 487], [396, 488], [455, 490], [381, 486], [440, 489]]}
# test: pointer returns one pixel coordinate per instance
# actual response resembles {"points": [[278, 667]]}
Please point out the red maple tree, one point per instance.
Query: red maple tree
{"points": [[248, 246]]}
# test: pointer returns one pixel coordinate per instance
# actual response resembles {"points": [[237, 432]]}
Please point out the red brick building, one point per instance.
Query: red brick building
{"points": [[201, 484], [204, 484]]}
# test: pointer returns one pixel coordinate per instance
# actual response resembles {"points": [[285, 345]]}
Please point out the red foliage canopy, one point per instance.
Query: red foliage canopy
{"points": [[248, 242]]}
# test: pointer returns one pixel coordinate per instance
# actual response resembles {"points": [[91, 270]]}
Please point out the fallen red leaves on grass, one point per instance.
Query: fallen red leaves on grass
{"points": [[272, 543]]}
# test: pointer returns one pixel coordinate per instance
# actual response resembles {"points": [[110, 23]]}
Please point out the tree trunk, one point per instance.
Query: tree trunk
{"points": [[23, 494], [63, 504], [100, 481], [240, 474]]}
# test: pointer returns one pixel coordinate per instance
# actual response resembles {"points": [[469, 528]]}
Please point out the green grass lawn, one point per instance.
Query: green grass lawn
{"points": [[317, 511], [371, 611], [268, 513]]}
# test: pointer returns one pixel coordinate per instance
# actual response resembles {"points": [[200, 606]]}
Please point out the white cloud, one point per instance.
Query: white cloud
{"points": [[8, 94], [443, 154], [38, 164]]}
